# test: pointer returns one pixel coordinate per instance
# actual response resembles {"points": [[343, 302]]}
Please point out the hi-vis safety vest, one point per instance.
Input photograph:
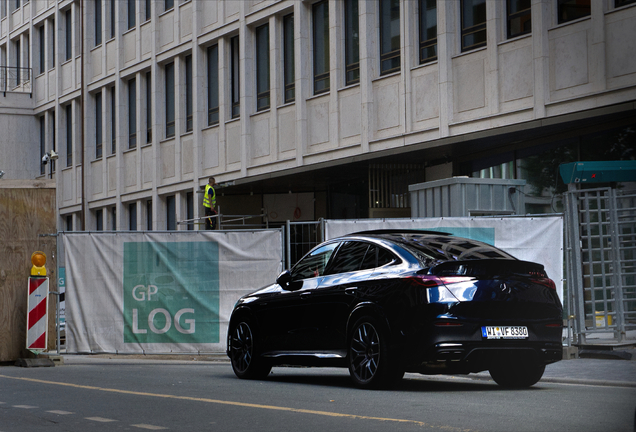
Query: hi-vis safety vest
{"points": [[207, 202]]}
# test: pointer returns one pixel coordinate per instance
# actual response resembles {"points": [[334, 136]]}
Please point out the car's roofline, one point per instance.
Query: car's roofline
{"points": [[397, 232]]}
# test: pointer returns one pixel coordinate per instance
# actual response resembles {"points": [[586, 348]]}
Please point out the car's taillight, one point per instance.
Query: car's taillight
{"points": [[447, 324], [546, 282], [554, 325]]}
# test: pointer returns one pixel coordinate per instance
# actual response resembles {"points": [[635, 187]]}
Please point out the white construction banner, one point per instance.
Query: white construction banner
{"points": [[537, 239], [129, 292]]}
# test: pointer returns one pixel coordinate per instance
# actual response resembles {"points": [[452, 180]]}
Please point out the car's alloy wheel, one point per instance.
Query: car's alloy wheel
{"points": [[368, 355], [245, 362]]}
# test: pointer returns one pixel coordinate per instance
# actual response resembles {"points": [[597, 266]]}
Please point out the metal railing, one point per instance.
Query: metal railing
{"points": [[15, 79]]}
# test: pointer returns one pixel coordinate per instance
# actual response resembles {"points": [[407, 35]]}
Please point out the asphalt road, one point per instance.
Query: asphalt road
{"points": [[114, 395]]}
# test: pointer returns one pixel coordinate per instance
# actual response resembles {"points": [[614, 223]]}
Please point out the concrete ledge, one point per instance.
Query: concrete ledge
{"points": [[35, 362], [570, 353], [57, 359]]}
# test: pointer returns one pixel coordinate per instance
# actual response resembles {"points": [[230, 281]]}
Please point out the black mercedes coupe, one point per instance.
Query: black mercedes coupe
{"points": [[383, 303]]}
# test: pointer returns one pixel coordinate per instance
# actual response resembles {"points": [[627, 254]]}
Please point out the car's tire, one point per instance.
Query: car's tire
{"points": [[243, 349], [516, 374], [369, 356]]}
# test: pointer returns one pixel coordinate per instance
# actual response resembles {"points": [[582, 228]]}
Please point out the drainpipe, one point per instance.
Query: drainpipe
{"points": [[82, 105]]}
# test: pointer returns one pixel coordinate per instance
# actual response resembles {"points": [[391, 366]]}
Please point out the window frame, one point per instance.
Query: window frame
{"points": [[386, 39], [132, 112], [113, 120], [473, 28], [561, 10], [425, 42], [69, 134], [98, 125], [189, 104], [148, 77], [289, 54], [212, 53], [98, 22], [170, 126], [321, 60], [131, 15], [235, 78], [520, 15], [352, 42], [261, 36], [68, 34]]}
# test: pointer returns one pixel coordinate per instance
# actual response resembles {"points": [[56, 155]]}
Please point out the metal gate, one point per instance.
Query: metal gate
{"points": [[601, 261], [300, 238]]}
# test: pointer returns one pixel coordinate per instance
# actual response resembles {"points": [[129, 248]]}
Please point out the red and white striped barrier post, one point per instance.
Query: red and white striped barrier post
{"points": [[37, 304], [37, 318]]}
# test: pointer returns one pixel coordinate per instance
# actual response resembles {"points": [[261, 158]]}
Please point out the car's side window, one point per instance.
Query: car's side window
{"points": [[349, 257], [376, 257], [313, 265]]}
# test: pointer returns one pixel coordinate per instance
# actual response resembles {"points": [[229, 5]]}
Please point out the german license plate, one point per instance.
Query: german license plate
{"points": [[504, 332]]}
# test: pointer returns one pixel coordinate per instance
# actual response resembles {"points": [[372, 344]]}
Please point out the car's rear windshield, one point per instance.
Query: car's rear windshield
{"points": [[448, 248]]}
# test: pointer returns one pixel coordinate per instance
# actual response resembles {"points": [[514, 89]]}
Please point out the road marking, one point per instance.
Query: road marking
{"points": [[60, 412], [24, 406], [240, 404], [100, 419], [149, 427]]}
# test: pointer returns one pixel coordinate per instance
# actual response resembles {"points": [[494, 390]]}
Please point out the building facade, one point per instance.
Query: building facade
{"points": [[306, 109]]}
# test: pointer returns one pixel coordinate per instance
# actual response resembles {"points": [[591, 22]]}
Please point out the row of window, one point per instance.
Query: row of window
{"points": [[106, 218]]}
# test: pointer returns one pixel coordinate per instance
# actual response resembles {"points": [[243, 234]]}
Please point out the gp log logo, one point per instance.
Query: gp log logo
{"points": [[171, 292]]}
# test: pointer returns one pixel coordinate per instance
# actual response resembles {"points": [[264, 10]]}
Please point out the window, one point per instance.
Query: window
{"points": [[473, 24], [147, 9], [112, 19], [132, 12], [52, 139], [289, 75], [69, 135], [352, 42], [619, 3], [314, 264], [569, 10], [321, 46], [98, 125], [149, 215], [132, 216], [42, 53], [171, 214], [42, 143], [519, 17], [148, 107], [113, 218], [168, 4], [170, 127], [113, 121], [52, 48], [235, 79], [262, 67], [428, 30], [99, 220], [3, 9], [18, 62], [68, 35], [389, 36], [213, 85], [98, 22], [190, 210], [188, 94], [132, 113], [69, 223], [349, 257]]}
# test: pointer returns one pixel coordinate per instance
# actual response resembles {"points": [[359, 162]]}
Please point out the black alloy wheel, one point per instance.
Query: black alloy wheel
{"points": [[245, 362], [368, 354]]}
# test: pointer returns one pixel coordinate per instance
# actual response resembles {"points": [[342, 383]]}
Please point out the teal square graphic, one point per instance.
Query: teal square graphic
{"points": [[171, 292]]}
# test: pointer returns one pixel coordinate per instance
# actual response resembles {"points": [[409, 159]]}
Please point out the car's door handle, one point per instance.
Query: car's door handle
{"points": [[305, 295], [351, 290]]}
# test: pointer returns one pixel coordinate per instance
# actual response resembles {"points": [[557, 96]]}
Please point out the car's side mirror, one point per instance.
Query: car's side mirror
{"points": [[284, 279]]}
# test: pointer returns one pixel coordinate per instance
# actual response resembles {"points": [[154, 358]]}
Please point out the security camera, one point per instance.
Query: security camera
{"points": [[45, 159], [53, 155]]}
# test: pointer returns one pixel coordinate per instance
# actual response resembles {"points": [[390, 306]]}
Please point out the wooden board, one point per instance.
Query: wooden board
{"points": [[27, 209]]}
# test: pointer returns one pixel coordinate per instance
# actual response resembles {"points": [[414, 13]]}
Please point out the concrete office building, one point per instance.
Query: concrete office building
{"points": [[306, 109]]}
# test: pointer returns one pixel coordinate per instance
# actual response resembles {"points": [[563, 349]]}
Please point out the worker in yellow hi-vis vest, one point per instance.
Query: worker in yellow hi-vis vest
{"points": [[209, 202]]}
